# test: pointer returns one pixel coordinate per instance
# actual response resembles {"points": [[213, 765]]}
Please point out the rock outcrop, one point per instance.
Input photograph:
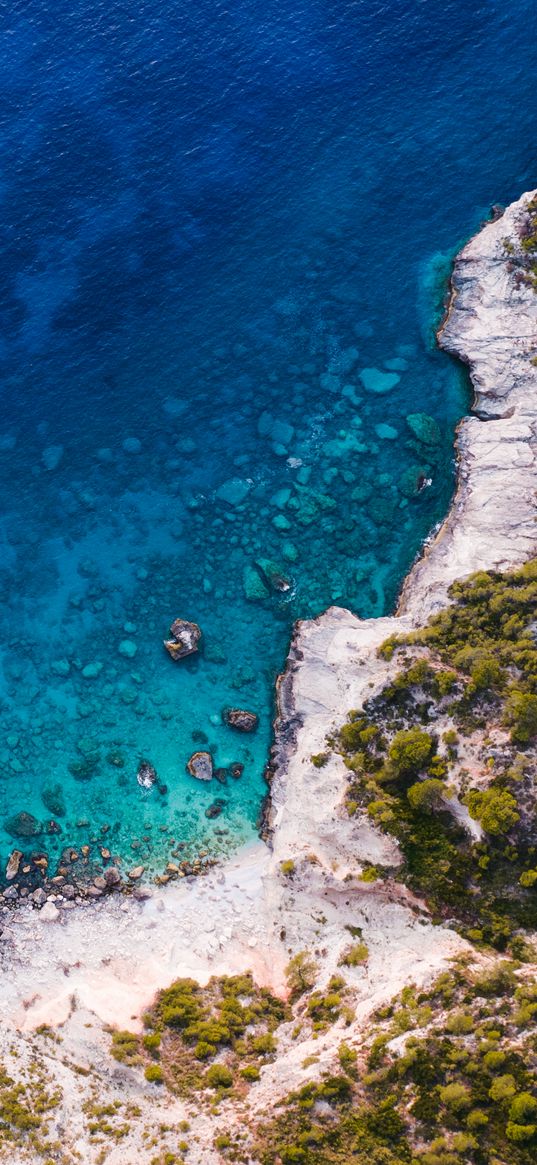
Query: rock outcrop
{"points": [[240, 719], [184, 639], [200, 766]]}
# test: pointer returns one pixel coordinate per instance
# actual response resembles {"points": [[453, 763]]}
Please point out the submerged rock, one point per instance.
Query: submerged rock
{"points": [[254, 586], [23, 825], [184, 639], [200, 766], [53, 800], [374, 380], [214, 810], [240, 719], [414, 480], [272, 575], [424, 428], [233, 491]]}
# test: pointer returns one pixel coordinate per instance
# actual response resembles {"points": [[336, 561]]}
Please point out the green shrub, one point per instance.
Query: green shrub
{"points": [[320, 759], [218, 1076], [125, 1047], [523, 1109], [459, 1023], [503, 1088], [151, 1042], [455, 1096], [264, 1044], [410, 750], [355, 955], [301, 973], [495, 809], [154, 1074], [521, 716], [427, 794]]}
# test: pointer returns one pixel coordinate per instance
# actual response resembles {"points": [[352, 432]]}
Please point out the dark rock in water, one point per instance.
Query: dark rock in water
{"points": [[146, 775], [199, 737], [84, 769], [53, 826], [414, 480], [163, 789], [53, 800], [272, 575], [13, 864], [240, 719], [184, 639], [200, 766], [221, 776], [112, 877], [215, 809], [236, 770], [23, 825]]}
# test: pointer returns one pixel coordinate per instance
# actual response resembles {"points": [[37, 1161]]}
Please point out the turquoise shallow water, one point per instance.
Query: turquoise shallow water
{"points": [[212, 223]]}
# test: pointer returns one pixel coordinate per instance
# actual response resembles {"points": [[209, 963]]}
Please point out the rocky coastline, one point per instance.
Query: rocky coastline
{"points": [[75, 972], [491, 325]]}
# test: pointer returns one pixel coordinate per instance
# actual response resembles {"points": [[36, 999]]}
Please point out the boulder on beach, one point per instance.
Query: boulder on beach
{"points": [[184, 639], [200, 766], [240, 719]]}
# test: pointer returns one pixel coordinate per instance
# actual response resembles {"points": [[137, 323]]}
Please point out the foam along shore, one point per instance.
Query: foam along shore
{"points": [[101, 964]]}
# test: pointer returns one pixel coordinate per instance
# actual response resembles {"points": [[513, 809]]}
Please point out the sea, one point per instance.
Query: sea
{"points": [[226, 232]]}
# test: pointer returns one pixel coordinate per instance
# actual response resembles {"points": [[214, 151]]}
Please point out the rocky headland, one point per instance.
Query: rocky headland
{"points": [[330, 871]]}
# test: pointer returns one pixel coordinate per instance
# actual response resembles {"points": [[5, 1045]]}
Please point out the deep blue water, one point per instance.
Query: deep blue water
{"points": [[209, 214]]}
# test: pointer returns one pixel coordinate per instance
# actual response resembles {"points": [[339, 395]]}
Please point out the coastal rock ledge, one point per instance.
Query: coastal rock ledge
{"points": [[491, 325]]}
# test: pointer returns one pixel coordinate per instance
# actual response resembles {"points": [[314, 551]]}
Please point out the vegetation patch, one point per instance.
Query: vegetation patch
{"points": [[473, 671], [214, 1038], [458, 1089]]}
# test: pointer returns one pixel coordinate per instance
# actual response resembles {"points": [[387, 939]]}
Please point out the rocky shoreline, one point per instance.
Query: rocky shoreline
{"points": [[78, 971]]}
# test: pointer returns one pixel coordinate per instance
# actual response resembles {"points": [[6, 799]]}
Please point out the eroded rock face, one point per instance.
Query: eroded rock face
{"points": [[200, 766], [184, 639], [240, 719], [492, 326]]}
